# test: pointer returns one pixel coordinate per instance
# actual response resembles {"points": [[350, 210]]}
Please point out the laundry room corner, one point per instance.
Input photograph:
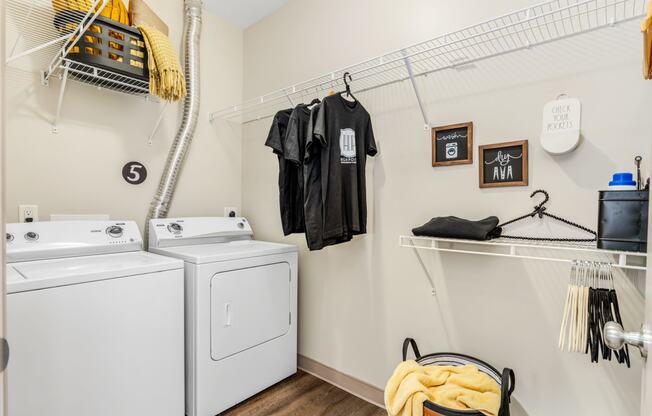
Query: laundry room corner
{"points": [[341, 207], [358, 299], [99, 132]]}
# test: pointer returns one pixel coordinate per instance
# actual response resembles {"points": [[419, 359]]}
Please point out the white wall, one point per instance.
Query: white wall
{"points": [[360, 300], [78, 170]]}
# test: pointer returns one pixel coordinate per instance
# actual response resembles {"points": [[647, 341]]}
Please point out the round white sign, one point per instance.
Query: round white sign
{"points": [[562, 120]]}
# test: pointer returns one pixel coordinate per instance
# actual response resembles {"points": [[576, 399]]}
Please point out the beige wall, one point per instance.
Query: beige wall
{"points": [[78, 170], [358, 301]]}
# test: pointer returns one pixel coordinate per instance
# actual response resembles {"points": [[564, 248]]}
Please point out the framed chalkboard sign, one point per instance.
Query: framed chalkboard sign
{"points": [[452, 145], [504, 164]]}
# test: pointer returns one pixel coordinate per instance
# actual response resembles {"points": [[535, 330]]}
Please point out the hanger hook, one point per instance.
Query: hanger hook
{"points": [[346, 83], [541, 207]]}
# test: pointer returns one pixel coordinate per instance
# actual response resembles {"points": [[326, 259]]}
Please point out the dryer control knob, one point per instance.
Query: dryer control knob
{"points": [[31, 236], [241, 225], [10, 237], [175, 228], [115, 231]]}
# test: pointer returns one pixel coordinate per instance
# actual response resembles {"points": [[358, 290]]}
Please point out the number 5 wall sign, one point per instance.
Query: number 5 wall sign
{"points": [[134, 173]]}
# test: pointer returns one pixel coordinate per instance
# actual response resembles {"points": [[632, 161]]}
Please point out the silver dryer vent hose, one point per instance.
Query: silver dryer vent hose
{"points": [[192, 33]]}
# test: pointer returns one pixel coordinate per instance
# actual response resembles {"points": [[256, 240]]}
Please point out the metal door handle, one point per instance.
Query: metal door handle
{"points": [[4, 345], [227, 314], [615, 337]]}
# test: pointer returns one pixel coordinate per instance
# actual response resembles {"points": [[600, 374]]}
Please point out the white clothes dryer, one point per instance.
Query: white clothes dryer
{"points": [[241, 309], [94, 324]]}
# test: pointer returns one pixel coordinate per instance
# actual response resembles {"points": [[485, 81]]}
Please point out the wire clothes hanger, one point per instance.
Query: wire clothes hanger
{"points": [[541, 211]]}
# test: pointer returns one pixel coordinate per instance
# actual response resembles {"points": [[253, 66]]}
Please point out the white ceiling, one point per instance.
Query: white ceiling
{"points": [[243, 13]]}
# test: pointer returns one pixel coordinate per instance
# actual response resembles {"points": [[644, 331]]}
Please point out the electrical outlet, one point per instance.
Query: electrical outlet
{"points": [[28, 213], [231, 212]]}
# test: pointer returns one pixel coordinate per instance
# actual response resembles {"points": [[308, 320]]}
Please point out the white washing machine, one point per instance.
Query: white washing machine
{"points": [[95, 324], [241, 309]]}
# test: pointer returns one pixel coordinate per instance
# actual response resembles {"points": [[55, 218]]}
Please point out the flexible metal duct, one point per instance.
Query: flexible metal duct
{"points": [[177, 156]]}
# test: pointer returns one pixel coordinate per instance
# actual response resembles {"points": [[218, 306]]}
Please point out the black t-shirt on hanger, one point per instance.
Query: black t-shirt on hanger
{"points": [[346, 135], [293, 149], [313, 201], [287, 174]]}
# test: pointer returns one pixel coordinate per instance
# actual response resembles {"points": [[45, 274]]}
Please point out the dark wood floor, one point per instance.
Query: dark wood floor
{"points": [[305, 395]]}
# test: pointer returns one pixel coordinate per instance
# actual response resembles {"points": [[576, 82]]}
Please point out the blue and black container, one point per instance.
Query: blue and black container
{"points": [[623, 220]]}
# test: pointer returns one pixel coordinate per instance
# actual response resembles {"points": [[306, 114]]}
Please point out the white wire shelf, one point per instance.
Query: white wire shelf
{"points": [[503, 247], [39, 32], [103, 79], [540, 24]]}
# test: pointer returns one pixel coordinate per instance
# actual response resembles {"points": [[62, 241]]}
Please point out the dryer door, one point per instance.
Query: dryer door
{"points": [[248, 308]]}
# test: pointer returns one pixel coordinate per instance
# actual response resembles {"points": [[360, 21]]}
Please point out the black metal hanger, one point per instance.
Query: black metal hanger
{"points": [[348, 87], [314, 102], [541, 211]]}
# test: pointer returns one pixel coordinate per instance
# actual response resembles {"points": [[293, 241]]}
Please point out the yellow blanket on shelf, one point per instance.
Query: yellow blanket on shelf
{"points": [[459, 388], [165, 75], [115, 9], [646, 27]]}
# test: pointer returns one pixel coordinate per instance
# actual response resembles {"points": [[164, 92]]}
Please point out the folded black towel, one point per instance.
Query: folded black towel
{"points": [[453, 227]]}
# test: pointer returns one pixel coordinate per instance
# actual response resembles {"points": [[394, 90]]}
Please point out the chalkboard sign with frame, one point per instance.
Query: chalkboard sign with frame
{"points": [[504, 164], [452, 145]]}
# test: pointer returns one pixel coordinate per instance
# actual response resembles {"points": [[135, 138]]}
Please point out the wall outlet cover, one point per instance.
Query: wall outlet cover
{"points": [[229, 210], [28, 213]]}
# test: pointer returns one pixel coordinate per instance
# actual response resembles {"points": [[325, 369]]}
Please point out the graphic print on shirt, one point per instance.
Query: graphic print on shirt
{"points": [[348, 155]]}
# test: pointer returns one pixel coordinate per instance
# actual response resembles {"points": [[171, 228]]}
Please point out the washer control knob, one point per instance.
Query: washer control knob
{"points": [[241, 225], [115, 231], [10, 237], [175, 228], [31, 236]]}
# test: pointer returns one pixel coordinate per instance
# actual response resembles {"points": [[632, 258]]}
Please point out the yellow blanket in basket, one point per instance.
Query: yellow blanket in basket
{"points": [[646, 27], [459, 388], [165, 75]]}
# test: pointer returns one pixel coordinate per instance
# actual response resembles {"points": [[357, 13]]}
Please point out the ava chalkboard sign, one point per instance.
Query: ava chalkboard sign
{"points": [[504, 164], [452, 145]]}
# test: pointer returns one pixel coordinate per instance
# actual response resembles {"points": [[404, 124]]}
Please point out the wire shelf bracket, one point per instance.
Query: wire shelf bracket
{"points": [[523, 29], [415, 87], [506, 248]]}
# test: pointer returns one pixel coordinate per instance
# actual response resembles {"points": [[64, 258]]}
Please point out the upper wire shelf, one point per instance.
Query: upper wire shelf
{"points": [[41, 31], [540, 24], [41, 34], [104, 79]]}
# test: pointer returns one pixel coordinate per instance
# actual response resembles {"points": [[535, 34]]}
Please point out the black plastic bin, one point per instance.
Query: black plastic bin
{"points": [[623, 220], [506, 380], [107, 44]]}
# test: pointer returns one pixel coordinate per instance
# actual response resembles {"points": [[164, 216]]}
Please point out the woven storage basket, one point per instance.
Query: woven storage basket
{"points": [[107, 44], [506, 379]]}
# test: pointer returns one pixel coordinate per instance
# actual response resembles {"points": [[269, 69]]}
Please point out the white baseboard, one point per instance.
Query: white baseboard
{"points": [[365, 391]]}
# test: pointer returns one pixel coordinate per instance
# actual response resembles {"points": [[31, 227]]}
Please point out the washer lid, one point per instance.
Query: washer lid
{"points": [[62, 272], [233, 250]]}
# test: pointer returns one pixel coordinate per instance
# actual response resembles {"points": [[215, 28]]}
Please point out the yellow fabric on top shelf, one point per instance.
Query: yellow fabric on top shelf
{"points": [[166, 78], [646, 27], [114, 10], [458, 388]]}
